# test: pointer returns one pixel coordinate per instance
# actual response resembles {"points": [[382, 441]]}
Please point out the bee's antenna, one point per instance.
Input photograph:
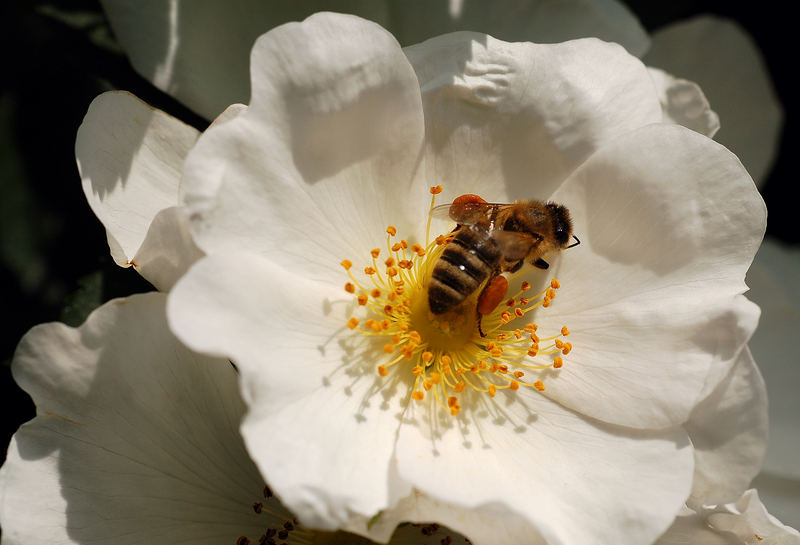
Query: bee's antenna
{"points": [[577, 241]]}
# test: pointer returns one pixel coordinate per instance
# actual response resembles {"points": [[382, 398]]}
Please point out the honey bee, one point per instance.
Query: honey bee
{"points": [[491, 239]]}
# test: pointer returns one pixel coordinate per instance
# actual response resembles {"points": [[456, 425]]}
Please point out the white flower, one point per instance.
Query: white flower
{"points": [[136, 441], [168, 42], [342, 137], [744, 522]]}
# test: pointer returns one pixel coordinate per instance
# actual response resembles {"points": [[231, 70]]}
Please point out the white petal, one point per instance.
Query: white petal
{"points": [[324, 156], [168, 44], [728, 430], [319, 425], [750, 522], [669, 222], [130, 158], [719, 56], [168, 250], [524, 115], [135, 438], [684, 103], [773, 282], [690, 528], [561, 473]]}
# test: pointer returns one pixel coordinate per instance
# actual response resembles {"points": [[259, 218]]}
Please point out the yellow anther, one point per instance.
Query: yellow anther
{"points": [[369, 271], [352, 323], [375, 293], [415, 336], [362, 299], [539, 385], [388, 348], [502, 336], [530, 328], [427, 384], [518, 312], [346, 263], [519, 374], [382, 371], [513, 385], [349, 288], [435, 190], [392, 296], [492, 390], [397, 338], [441, 239], [391, 271], [518, 333], [510, 302], [421, 252], [535, 337], [405, 264], [377, 327], [416, 248], [474, 368], [459, 387], [452, 401], [396, 247], [392, 230], [551, 293], [375, 252], [558, 362], [546, 302], [418, 395], [533, 350], [417, 369], [483, 365], [446, 360], [389, 261], [564, 331], [404, 243], [497, 352], [555, 284], [436, 378], [490, 346], [567, 348], [559, 343], [385, 324], [505, 317], [525, 286], [427, 356], [524, 301], [454, 410], [403, 327]]}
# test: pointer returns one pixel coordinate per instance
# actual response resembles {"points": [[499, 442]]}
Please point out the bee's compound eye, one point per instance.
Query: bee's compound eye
{"points": [[511, 224]]}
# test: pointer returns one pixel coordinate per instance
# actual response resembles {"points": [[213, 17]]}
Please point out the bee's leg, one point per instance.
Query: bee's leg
{"points": [[541, 264], [491, 296], [517, 266]]}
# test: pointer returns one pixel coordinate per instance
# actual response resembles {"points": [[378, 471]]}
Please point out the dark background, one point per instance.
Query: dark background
{"points": [[59, 55]]}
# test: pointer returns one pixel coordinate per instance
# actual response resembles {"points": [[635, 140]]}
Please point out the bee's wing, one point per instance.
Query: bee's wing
{"points": [[514, 245], [468, 213]]}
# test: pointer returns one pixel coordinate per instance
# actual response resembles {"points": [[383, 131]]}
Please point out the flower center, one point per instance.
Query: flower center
{"points": [[457, 350]]}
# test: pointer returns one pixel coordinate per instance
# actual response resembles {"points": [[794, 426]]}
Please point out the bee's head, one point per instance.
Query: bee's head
{"points": [[562, 224]]}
